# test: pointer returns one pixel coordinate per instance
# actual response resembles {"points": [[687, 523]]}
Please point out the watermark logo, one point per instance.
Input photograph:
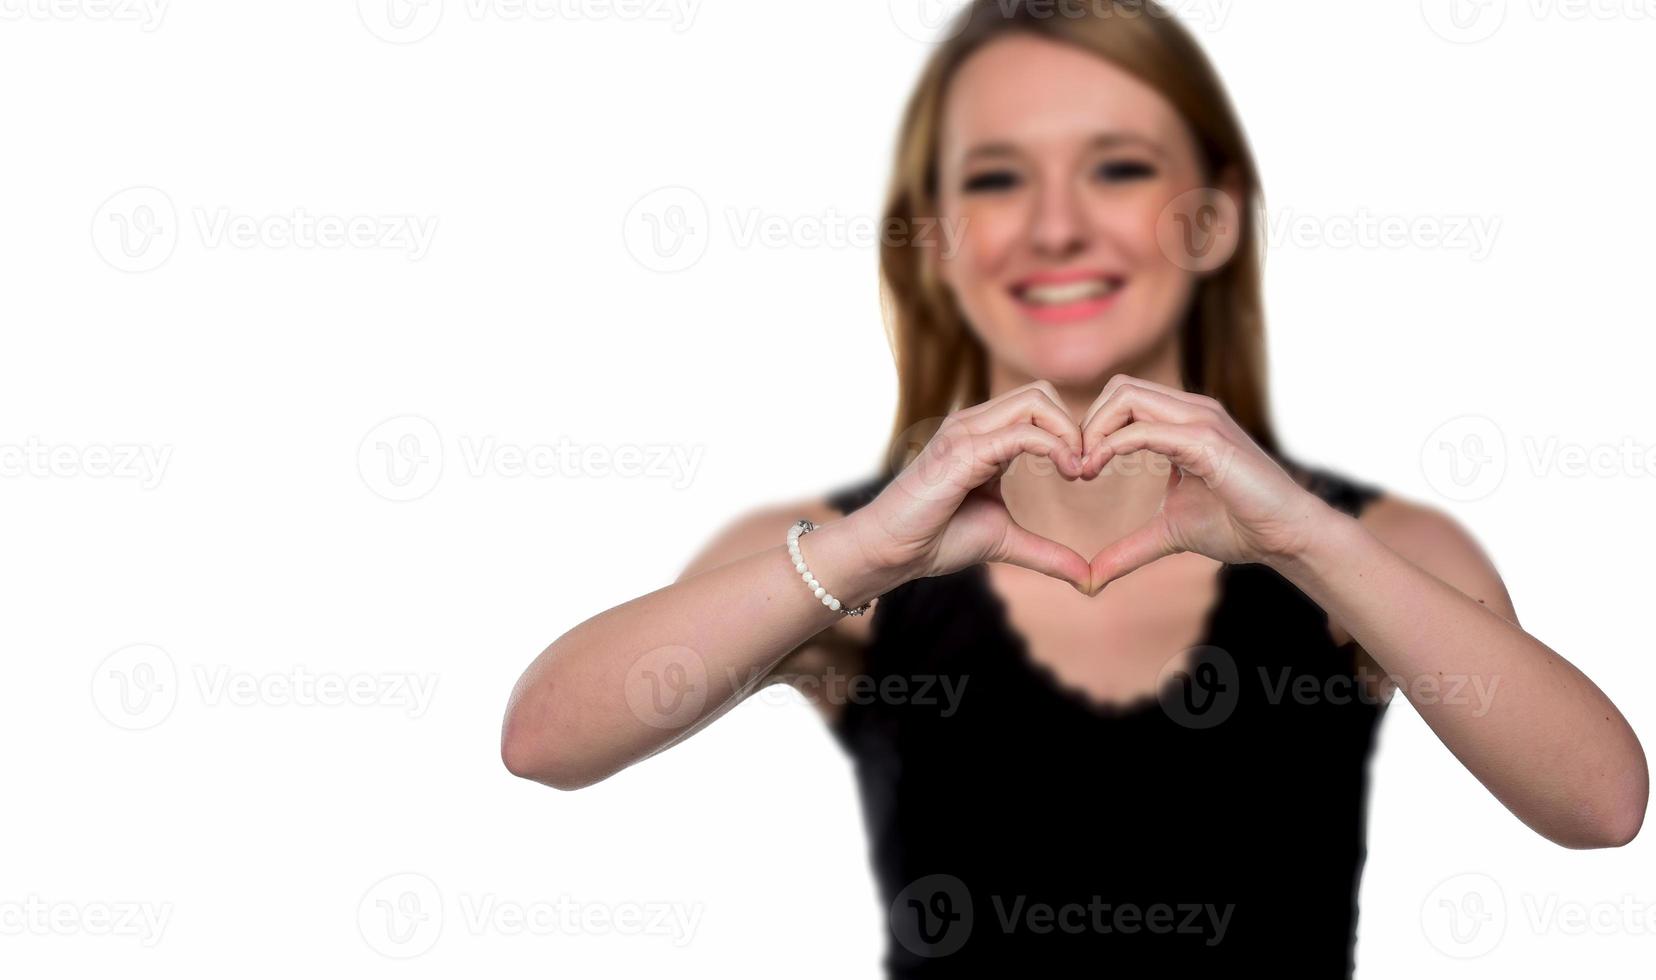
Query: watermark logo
{"points": [[1464, 21], [667, 687], [401, 459], [1473, 234], [668, 229], [400, 21], [932, 917], [936, 21], [1465, 458], [135, 687], [145, 465], [1475, 21], [145, 922], [1468, 915], [409, 21], [1200, 688], [401, 916], [1465, 916], [1200, 230], [929, 21], [136, 229], [147, 14], [941, 695]]}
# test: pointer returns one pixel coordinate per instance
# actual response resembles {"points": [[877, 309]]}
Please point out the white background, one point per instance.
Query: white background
{"points": [[164, 621]]}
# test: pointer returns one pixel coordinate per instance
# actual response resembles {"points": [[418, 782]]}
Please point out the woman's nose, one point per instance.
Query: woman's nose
{"points": [[1058, 227]]}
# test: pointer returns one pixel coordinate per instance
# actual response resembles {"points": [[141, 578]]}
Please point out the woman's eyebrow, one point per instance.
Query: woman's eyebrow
{"points": [[1103, 141], [1110, 141]]}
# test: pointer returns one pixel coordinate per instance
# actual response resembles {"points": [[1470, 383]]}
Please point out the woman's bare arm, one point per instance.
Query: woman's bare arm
{"points": [[1430, 611], [638, 678], [633, 680]]}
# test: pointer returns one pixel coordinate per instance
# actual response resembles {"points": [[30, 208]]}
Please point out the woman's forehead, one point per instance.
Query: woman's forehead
{"points": [[1031, 93]]}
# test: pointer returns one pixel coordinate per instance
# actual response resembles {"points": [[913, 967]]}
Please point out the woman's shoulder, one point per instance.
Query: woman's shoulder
{"points": [[849, 495], [1338, 488]]}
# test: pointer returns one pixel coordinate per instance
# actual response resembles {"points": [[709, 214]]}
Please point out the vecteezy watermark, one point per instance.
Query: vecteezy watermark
{"points": [[1467, 458], [670, 229], [145, 465], [1473, 21], [1474, 234], [1468, 915], [1203, 687], [935, 916], [1464, 21], [137, 687], [1475, 691], [1199, 688], [408, 21], [35, 916], [1201, 229], [220, 685], [667, 687], [1464, 916], [936, 21], [402, 916], [137, 230], [147, 14], [940, 694], [402, 459]]}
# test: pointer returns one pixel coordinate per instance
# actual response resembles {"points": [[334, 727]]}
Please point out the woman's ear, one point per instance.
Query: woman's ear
{"points": [[1201, 230]]}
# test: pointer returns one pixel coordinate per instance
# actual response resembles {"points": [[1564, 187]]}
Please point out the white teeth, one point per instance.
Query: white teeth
{"points": [[1070, 292]]}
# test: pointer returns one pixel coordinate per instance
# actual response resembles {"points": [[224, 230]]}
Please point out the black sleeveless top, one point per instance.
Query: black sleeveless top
{"points": [[1013, 822]]}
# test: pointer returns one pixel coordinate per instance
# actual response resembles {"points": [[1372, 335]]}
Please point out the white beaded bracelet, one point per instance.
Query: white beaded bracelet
{"points": [[804, 527]]}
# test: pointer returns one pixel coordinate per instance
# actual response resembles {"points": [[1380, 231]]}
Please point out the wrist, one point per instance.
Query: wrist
{"points": [[840, 556], [1328, 536]]}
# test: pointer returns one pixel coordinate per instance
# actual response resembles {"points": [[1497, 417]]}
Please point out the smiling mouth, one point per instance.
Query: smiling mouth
{"points": [[1062, 302]]}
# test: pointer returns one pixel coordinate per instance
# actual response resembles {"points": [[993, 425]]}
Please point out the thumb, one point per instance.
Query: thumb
{"points": [[1030, 550], [1135, 551]]}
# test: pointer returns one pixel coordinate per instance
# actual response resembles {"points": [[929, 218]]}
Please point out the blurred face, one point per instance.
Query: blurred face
{"points": [[1064, 176]]}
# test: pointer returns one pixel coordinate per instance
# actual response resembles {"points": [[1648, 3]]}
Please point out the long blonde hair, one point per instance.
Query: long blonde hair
{"points": [[941, 366]]}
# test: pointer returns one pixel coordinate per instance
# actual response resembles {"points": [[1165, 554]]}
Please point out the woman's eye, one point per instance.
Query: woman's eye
{"points": [[1125, 170], [991, 181]]}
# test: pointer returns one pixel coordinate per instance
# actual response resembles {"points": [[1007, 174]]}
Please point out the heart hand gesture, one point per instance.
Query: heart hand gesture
{"points": [[1226, 498]]}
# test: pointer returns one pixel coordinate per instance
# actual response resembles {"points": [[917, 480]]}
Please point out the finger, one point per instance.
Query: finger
{"points": [[1030, 550], [1037, 404], [1131, 403], [958, 460], [1117, 381], [1135, 551], [993, 452], [1196, 448]]}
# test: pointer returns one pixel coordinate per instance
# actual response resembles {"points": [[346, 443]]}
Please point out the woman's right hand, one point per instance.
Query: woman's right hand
{"points": [[944, 511]]}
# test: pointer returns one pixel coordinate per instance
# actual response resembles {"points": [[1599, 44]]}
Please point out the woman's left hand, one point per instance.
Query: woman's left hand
{"points": [[1226, 498]]}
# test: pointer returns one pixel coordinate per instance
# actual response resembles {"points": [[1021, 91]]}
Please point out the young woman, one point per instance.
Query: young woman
{"points": [[1115, 702]]}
